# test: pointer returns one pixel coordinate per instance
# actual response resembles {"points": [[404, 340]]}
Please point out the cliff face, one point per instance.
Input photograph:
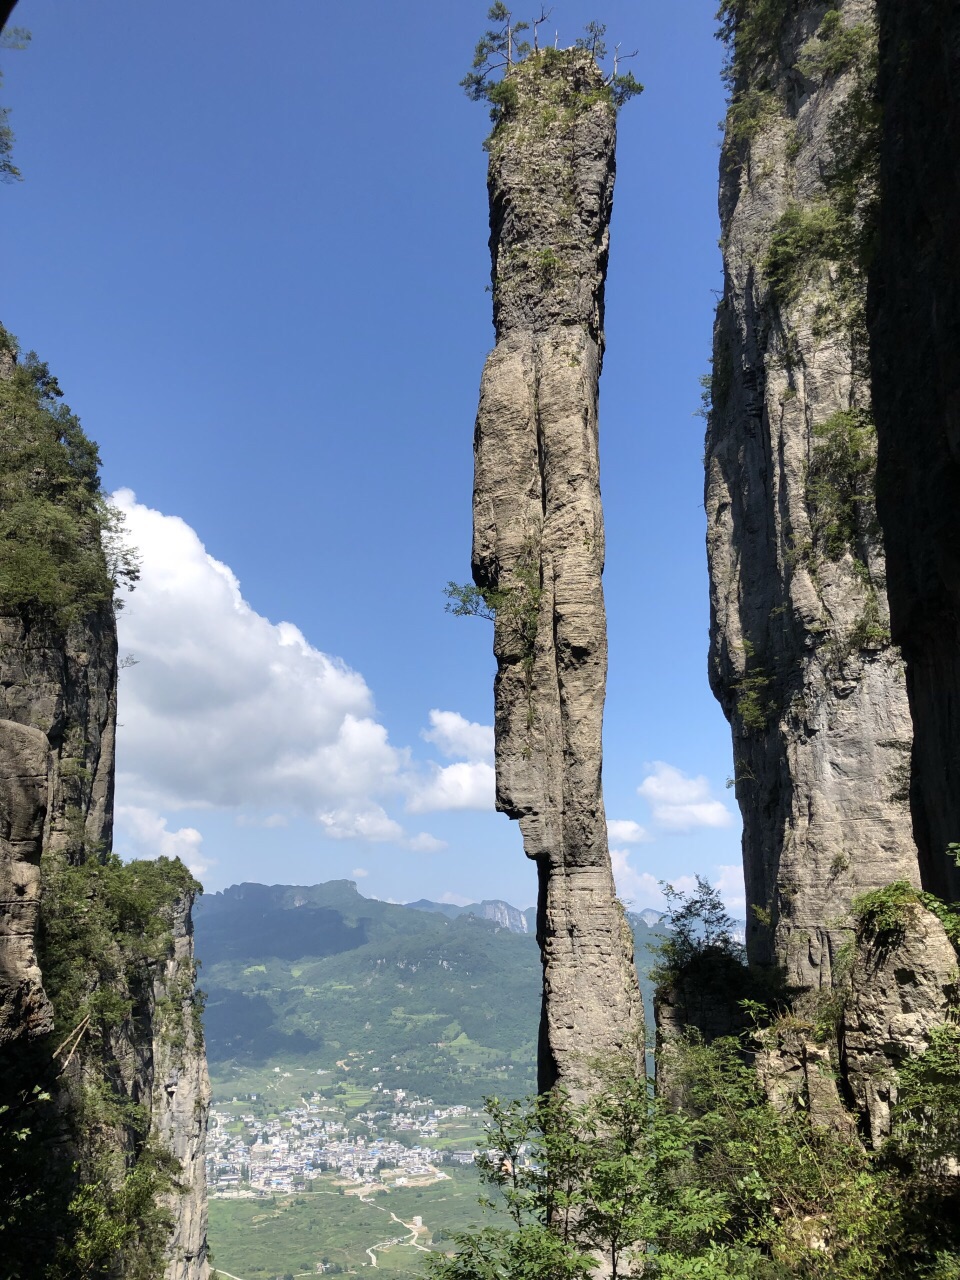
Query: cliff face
{"points": [[800, 651], [100, 1045], [915, 327], [538, 543]]}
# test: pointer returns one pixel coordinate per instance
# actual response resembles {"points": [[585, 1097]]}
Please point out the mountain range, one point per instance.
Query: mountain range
{"points": [[447, 996]]}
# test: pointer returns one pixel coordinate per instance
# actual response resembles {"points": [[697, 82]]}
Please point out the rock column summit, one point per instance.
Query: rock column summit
{"points": [[801, 656], [538, 540]]}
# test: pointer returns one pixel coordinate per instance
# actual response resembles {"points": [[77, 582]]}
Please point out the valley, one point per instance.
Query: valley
{"points": [[351, 1043]]}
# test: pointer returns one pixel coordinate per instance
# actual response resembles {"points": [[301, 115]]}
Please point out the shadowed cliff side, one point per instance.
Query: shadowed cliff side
{"points": [[800, 654], [102, 1072], [538, 542], [915, 331]]}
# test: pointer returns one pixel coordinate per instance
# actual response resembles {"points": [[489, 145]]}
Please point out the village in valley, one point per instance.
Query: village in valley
{"points": [[397, 1140]]}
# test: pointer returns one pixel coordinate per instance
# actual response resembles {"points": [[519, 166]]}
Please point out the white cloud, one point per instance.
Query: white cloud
{"points": [[424, 842], [638, 889], [728, 882], [455, 900], [271, 821], [459, 738], [623, 831], [464, 785], [143, 833], [680, 803], [371, 823], [360, 873], [225, 708]]}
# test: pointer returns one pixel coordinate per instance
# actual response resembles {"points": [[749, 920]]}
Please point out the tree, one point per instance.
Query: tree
{"points": [[499, 50]]}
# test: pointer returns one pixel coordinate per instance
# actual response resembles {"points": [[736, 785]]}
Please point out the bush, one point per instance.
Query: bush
{"points": [[840, 482], [62, 554]]}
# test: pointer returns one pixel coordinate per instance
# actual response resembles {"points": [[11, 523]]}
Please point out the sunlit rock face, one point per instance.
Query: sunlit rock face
{"points": [[800, 652], [903, 985], [915, 323], [538, 542]]}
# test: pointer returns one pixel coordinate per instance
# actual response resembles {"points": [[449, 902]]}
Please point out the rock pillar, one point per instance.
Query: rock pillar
{"points": [[538, 543]]}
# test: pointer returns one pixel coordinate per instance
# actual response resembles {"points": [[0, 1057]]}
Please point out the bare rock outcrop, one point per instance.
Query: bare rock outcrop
{"points": [[915, 327], [801, 657], [538, 544], [180, 1099], [903, 984]]}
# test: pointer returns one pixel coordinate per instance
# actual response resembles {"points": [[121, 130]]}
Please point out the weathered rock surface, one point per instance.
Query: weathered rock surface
{"points": [[915, 331], [538, 541], [25, 1011], [901, 988], [800, 654], [795, 1071]]}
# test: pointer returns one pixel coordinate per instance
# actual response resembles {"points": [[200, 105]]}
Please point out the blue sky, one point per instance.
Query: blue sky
{"points": [[252, 246]]}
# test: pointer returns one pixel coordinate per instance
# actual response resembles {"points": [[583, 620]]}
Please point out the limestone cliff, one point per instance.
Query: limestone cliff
{"points": [[101, 1057], [538, 543], [915, 326], [800, 652]]}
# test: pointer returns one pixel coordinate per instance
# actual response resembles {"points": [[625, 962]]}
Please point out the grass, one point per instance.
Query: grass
{"points": [[261, 1239]]}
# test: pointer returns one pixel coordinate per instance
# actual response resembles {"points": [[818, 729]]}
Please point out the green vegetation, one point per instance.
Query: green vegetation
{"points": [[835, 48], [260, 1239], [840, 483], [62, 554], [805, 238], [10, 38], [750, 30], [444, 1008], [501, 52], [714, 1181], [517, 606], [91, 1173], [755, 706], [882, 915], [726, 1188], [104, 927], [118, 1217]]}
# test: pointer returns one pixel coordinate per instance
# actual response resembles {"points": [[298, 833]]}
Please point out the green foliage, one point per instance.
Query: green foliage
{"points": [[750, 30], [927, 1114], [699, 934], [516, 607], [103, 925], [119, 1224], [840, 484], [499, 53], [62, 553], [83, 1195], [752, 691], [728, 1187], [835, 47], [882, 915], [869, 631], [805, 237], [464, 600], [11, 38], [748, 112]]}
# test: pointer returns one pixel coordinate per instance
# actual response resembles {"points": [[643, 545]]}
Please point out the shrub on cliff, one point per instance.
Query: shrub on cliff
{"points": [[62, 554]]}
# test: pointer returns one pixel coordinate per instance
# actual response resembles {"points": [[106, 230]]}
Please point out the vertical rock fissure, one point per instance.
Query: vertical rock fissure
{"points": [[538, 540]]}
